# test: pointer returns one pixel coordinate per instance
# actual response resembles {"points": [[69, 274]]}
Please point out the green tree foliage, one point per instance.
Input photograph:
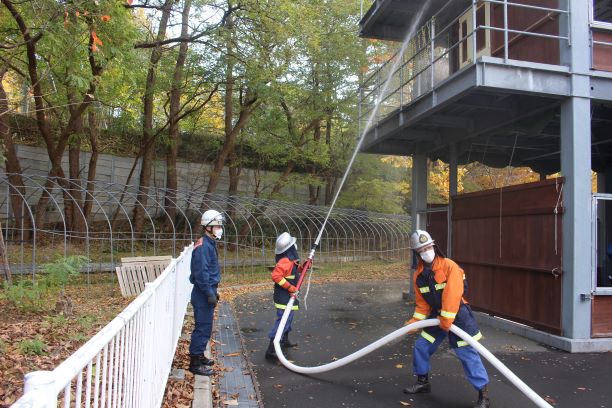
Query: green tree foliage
{"points": [[280, 77], [376, 183]]}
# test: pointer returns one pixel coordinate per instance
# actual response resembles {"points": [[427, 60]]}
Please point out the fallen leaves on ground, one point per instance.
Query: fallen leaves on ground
{"points": [[95, 305]]}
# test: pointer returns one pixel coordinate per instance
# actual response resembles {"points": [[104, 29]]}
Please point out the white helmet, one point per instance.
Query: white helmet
{"points": [[419, 239], [284, 242], [211, 218]]}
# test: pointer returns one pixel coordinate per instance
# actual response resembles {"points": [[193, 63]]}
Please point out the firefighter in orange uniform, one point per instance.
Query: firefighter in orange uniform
{"points": [[439, 285], [285, 275]]}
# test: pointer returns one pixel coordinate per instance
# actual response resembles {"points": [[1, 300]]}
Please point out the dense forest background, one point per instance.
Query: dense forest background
{"points": [[269, 85]]}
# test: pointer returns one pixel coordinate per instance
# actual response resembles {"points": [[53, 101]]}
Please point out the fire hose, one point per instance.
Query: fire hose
{"points": [[539, 401], [501, 367]]}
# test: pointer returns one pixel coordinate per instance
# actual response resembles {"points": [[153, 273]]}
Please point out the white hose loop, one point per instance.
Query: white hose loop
{"points": [[535, 398]]}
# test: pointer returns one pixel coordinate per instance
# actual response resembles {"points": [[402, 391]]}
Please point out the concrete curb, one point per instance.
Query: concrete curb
{"points": [[562, 343], [202, 389]]}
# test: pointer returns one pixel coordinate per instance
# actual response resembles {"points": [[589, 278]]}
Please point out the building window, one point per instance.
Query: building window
{"points": [[464, 44], [602, 11]]}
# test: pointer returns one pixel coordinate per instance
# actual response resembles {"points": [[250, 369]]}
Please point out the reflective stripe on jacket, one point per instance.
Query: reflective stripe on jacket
{"points": [[439, 290], [285, 274]]}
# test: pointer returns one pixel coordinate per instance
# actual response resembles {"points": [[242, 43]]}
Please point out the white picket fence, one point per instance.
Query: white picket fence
{"points": [[128, 362]]}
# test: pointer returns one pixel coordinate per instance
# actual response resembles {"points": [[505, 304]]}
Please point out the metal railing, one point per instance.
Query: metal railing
{"points": [[605, 28], [128, 362], [432, 55], [108, 230]]}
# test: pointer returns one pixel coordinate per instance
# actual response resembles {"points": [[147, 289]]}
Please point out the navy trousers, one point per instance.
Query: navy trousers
{"points": [[203, 314], [279, 315], [469, 357]]}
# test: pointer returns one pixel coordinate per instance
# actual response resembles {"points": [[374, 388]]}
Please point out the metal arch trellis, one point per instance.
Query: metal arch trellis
{"points": [[108, 231]]}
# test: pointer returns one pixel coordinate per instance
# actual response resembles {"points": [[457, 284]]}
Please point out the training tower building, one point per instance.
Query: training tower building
{"points": [[508, 82]]}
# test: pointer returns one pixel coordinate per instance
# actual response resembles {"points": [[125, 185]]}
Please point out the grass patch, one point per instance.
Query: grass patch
{"points": [[32, 347], [55, 322], [86, 322], [365, 270]]}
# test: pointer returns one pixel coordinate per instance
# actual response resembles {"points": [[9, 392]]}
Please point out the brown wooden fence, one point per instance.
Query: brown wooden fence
{"points": [[437, 225], [508, 241]]}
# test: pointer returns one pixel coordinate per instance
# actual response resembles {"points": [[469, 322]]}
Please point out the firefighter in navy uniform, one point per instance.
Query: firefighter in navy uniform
{"points": [[205, 277], [285, 275], [439, 285]]}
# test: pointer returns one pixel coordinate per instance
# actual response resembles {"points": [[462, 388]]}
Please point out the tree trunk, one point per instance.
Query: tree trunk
{"points": [[73, 204], [258, 212], [174, 129], [234, 175], [93, 163], [23, 222], [314, 190], [235, 168], [148, 144], [55, 151], [5, 264], [331, 179], [230, 135], [41, 116], [330, 188]]}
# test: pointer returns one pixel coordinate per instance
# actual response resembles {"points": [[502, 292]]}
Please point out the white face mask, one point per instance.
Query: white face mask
{"points": [[218, 232], [428, 256]]}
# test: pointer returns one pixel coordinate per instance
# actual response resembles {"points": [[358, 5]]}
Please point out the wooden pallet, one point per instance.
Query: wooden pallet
{"points": [[135, 272]]}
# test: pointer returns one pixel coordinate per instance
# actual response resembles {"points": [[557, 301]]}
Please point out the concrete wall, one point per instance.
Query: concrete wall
{"points": [[191, 176]]}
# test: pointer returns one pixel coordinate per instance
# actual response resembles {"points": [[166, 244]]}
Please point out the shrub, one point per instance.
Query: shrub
{"points": [[60, 272], [26, 295], [32, 346], [59, 321], [33, 295], [86, 321]]}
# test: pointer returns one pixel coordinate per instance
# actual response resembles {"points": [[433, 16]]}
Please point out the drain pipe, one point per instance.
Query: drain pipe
{"points": [[501, 367]]}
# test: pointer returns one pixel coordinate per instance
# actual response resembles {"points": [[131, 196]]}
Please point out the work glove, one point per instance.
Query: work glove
{"points": [[413, 320], [445, 324], [212, 299], [292, 289]]}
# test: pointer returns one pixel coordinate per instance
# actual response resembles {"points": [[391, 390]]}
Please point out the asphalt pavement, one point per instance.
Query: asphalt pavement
{"points": [[343, 317]]}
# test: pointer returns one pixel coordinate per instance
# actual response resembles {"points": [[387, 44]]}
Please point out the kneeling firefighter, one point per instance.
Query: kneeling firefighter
{"points": [[285, 275], [205, 277], [439, 285]]}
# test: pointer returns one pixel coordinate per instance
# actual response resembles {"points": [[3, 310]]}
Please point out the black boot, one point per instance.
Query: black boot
{"points": [[270, 352], [206, 361], [196, 366], [421, 386], [285, 343], [483, 398]]}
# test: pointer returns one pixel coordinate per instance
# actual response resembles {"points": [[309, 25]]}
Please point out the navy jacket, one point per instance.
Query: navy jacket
{"points": [[205, 271]]}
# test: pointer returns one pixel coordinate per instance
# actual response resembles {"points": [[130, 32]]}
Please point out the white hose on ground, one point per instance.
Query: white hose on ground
{"points": [[524, 388]]}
